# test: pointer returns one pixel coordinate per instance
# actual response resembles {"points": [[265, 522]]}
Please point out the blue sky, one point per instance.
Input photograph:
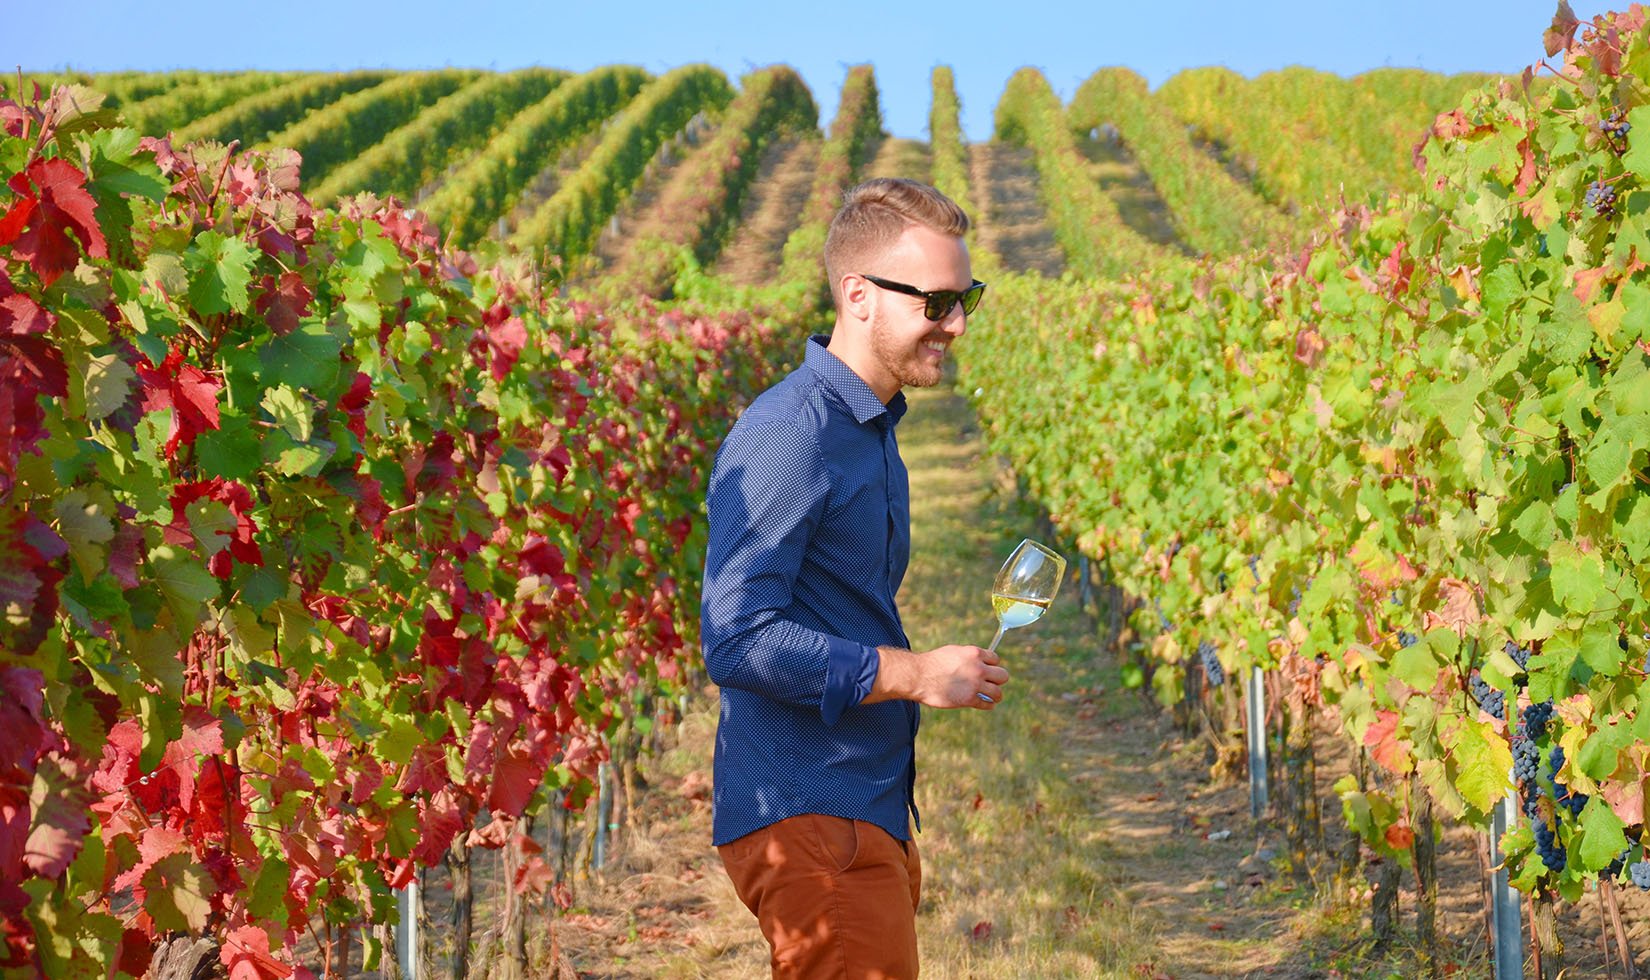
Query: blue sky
{"points": [[983, 42]]}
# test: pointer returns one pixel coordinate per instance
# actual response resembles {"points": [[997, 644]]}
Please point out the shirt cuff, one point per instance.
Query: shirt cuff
{"points": [[850, 671]]}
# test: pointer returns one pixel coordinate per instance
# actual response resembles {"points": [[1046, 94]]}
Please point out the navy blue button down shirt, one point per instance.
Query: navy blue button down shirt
{"points": [[810, 533]]}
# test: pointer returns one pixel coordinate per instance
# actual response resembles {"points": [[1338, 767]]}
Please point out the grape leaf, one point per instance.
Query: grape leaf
{"points": [[62, 817], [1601, 835], [183, 581], [105, 385], [245, 952], [1482, 763], [61, 204], [178, 894], [220, 269], [306, 358]]}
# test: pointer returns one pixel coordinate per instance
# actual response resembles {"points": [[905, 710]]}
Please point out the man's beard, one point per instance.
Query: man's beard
{"points": [[904, 362]]}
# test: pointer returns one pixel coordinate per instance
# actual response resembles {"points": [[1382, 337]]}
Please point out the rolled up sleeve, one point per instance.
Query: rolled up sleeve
{"points": [[768, 492]]}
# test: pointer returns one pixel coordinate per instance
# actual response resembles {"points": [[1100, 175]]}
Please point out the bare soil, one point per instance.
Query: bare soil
{"points": [[771, 210], [1013, 226], [1115, 170], [901, 158]]}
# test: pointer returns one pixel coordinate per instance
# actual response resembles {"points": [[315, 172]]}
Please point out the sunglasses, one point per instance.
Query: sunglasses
{"points": [[936, 303]]}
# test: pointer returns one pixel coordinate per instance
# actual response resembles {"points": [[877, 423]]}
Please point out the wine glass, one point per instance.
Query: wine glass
{"points": [[1025, 586]]}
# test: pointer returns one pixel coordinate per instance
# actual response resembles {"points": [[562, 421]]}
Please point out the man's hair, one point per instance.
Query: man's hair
{"points": [[873, 216]]}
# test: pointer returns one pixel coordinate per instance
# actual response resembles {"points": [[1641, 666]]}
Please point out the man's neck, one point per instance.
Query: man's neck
{"points": [[862, 362]]}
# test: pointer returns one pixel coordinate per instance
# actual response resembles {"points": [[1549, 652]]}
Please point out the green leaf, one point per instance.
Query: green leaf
{"points": [[306, 358], [179, 894], [220, 268], [85, 523], [1600, 649], [1483, 764], [1535, 524], [290, 411], [398, 740], [268, 897], [114, 168], [1600, 754], [1637, 157], [231, 450], [308, 459], [1417, 665], [164, 272], [1578, 579], [184, 581], [1601, 835], [105, 385]]}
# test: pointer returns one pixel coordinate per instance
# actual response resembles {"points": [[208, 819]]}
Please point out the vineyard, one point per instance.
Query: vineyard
{"points": [[354, 430]]}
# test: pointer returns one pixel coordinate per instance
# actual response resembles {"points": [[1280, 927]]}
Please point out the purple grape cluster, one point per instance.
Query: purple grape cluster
{"points": [[1488, 698], [1520, 655], [1254, 560], [1294, 603], [1163, 622], [1534, 722], [1639, 871], [1526, 759], [1530, 794], [1575, 802], [1601, 197], [1211, 664], [1546, 845], [1616, 125], [1406, 640]]}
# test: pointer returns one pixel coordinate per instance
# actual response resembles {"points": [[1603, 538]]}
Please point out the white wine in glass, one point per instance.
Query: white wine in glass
{"points": [[1025, 586]]}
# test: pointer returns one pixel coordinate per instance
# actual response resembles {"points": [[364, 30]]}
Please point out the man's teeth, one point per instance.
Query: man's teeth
{"points": [[935, 346]]}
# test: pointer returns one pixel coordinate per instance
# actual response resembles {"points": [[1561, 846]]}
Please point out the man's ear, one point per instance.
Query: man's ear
{"points": [[856, 296]]}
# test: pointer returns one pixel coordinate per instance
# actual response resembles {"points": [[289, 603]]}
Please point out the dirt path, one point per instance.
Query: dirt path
{"points": [[901, 158], [1004, 181], [1115, 170], [770, 211], [634, 214]]}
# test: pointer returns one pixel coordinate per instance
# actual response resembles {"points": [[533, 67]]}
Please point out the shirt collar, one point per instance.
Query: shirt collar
{"points": [[850, 387]]}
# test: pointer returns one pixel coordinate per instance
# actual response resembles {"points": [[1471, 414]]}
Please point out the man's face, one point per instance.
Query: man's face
{"points": [[909, 347]]}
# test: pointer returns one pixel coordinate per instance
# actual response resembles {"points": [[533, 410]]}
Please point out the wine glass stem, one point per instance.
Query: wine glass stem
{"points": [[995, 639]]}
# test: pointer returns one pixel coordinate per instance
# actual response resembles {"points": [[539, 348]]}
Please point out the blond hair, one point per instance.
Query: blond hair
{"points": [[873, 216]]}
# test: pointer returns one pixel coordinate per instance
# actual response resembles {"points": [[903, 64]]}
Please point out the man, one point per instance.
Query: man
{"points": [[809, 539]]}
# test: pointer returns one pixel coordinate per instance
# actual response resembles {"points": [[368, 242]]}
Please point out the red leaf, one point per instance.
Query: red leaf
{"points": [[137, 948], [514, 778], [1400, 837], [245, 952], [283, 303], [21, 729], [13, 223], [21, 316], [1384, 746], [439, 821], [188, 391], [61, 819], [238, 544], [62, 204], [981, 931], [1562, 33]]}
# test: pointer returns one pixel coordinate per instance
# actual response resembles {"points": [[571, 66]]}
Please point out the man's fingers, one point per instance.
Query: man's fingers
{"points": [[995, 675]]}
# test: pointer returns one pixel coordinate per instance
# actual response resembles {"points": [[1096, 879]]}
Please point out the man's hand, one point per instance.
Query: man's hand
{"points": [[946, 677]]}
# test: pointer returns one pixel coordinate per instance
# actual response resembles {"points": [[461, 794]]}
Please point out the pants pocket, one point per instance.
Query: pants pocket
{"points": [[839, 841]]}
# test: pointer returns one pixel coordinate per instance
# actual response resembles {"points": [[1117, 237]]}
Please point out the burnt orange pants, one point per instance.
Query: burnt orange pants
{"points": [[835, 898]]}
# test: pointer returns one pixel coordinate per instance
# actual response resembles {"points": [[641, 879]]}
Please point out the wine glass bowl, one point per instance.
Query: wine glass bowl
{"points": [[1025, 586]]}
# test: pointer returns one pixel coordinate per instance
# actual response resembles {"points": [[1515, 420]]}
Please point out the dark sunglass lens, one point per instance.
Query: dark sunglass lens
{"points": [[971, 297], [939, 304]]}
